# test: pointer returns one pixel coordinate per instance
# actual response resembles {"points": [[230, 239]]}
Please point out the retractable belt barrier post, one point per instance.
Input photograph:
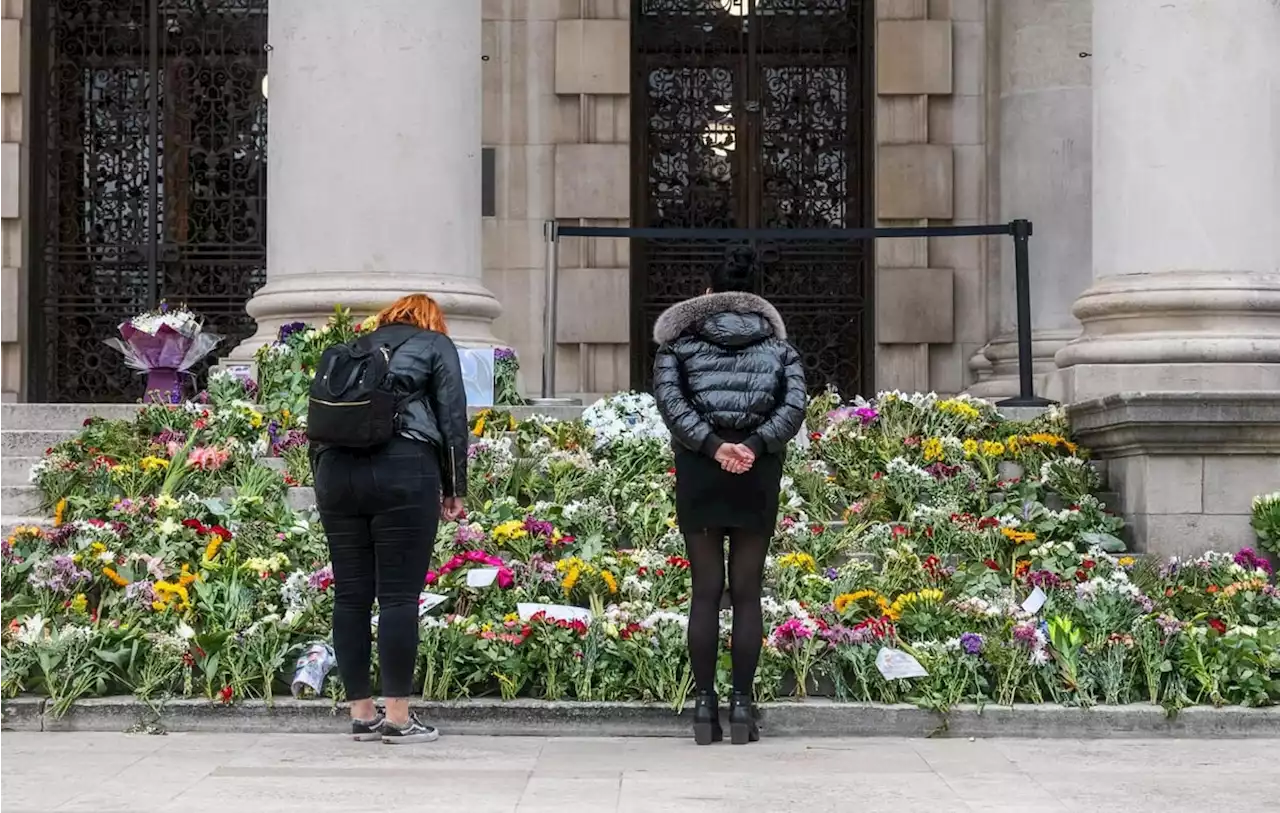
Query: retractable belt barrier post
{"points": [[1019, 230]]}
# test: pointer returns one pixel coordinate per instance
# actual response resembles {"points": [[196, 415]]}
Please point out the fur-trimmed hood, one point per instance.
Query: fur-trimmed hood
{"points": [[693, 313]]}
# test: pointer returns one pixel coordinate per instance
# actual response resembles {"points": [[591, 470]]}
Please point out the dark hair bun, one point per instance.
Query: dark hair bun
{"points": [[738, 271]]}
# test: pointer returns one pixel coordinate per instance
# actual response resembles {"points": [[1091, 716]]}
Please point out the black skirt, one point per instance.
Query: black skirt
{"points": [[707, 496]]}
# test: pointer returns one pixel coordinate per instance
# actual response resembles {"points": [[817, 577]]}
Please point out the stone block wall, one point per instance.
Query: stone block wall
{"points": [[13, 198], [557, 113], [931, 295]]}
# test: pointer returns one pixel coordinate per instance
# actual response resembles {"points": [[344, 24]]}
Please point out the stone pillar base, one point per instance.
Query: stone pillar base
{"points": [[1187, 465], [469, 307], [1001, 360]]}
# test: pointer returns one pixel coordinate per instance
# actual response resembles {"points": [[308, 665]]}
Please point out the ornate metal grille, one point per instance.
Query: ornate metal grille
{"points": [[756, 114], [148, 177]]}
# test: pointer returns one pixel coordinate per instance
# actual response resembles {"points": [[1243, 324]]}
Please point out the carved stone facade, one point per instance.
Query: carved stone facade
{"points": [[555, 108]]}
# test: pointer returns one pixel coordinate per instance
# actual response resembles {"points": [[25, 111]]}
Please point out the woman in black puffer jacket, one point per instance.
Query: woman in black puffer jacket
{"points": [[731, 390]]}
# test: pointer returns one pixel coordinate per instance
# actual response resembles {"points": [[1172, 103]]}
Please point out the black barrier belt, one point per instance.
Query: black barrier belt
{"points": [[566, 230]]}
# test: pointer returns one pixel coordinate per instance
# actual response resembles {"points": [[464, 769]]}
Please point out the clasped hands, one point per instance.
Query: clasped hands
{"points": [[735, 458]]}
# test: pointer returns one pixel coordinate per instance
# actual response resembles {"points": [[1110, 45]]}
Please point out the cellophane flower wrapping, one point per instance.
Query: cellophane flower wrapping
{"points": [[163, 343]]}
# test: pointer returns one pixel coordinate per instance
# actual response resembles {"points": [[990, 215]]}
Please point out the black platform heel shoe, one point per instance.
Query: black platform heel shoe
{"points": [[706, 719], [743, 727]]}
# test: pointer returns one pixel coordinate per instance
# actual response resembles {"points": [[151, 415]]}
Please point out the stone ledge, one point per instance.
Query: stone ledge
{"points": [[808, 718], [22, 714], [1130, 423]]}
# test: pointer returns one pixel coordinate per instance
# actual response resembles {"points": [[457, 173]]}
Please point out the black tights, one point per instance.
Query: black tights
{"points": [[747, 550]]}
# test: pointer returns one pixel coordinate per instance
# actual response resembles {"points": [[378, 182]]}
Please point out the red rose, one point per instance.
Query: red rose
{"points": [[1218, 626], [991, 563], [225, 694]]}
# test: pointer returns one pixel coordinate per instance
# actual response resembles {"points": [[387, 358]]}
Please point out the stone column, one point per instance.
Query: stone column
{"points": [[1186, 200], [374, 162], [1045, 146], [1176, 377]]}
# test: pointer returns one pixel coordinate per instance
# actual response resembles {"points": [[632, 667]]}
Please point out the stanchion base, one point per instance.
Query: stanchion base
{"points": [[1019, 401], [554, 402]]}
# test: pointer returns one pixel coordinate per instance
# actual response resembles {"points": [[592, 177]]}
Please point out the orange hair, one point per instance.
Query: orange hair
{"points": [[418, 310]]}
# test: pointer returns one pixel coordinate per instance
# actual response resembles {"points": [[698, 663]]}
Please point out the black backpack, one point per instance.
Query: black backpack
{"points": [[352, 404]]}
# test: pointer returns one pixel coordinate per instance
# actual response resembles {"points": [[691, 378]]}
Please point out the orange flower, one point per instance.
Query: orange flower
{"points": [[114, 577], [1213, 588]]}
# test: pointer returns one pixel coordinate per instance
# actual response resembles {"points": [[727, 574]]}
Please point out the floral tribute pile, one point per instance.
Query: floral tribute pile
{"points": [[930, 527]]}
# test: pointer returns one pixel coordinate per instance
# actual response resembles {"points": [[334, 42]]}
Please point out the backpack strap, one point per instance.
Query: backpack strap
{"points": [[409, 332]]}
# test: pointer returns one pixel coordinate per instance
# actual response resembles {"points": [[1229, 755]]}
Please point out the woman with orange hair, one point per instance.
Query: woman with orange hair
{"points": [[380, 503]]}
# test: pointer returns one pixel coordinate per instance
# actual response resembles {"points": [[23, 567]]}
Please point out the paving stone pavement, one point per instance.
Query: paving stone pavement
{"points": [[194, 773]]}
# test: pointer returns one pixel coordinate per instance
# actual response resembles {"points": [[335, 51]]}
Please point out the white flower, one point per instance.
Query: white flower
{"points": [[32, 629], [184, 631]]}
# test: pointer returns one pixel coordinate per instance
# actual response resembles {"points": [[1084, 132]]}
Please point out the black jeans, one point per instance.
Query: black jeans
{"points": [[380, 510]]}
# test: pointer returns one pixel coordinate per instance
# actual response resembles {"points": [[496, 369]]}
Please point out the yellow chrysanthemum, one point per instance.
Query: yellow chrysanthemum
{"points": [[970, 447], [992, 448], [59, 511], [1125, 561], [80, 603], [799, 561], [609, 580], [152, 463], [211, 550], [933, 450], [960, 408], [1018, 537], [844, 600], [510, 530], [907, 601], [571, 579]]}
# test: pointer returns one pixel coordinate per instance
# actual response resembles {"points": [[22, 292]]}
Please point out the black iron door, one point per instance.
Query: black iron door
{"points": [[756, 114], [148, 178]]}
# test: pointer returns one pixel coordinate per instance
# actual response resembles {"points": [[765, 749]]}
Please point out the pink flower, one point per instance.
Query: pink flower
{"points": [[432, 578]]}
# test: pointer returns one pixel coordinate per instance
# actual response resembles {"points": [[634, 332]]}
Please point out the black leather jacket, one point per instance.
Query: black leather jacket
{"points": [[724, 366], [427, 363]]}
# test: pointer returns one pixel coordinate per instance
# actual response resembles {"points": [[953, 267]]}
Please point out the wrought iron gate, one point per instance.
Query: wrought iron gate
{"points": [[148, 177], [756, 114]]}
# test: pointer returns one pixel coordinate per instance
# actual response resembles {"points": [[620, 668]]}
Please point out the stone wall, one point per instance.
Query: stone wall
{"points": [[13, 197]]}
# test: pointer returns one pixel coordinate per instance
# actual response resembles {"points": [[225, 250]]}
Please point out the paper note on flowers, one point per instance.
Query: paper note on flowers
{"points": [[429, 601], [481, 576], [556, 612], [895, 664], [477, 375], [1034, 601]]}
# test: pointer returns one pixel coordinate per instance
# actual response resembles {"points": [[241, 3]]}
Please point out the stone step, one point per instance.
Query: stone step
{"points": [[15, 470], [60, 416], [31, 442], [20, 501]]}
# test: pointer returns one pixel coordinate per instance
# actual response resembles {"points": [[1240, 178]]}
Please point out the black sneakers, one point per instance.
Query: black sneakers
{"points": [[412, 731], [368, 730]]}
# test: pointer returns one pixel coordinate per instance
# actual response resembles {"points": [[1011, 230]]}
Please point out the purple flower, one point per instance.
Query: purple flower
{"points": [[321, 579], [1250, 560], [1169, 626], [504, 354], [293, 439], [1044, 579], [971, 642], [287, 330], [866, 414], [142, 593], [60, 574], [832, 574], [1025, 634], [539, 528], [170, 436], [468, 536]]}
